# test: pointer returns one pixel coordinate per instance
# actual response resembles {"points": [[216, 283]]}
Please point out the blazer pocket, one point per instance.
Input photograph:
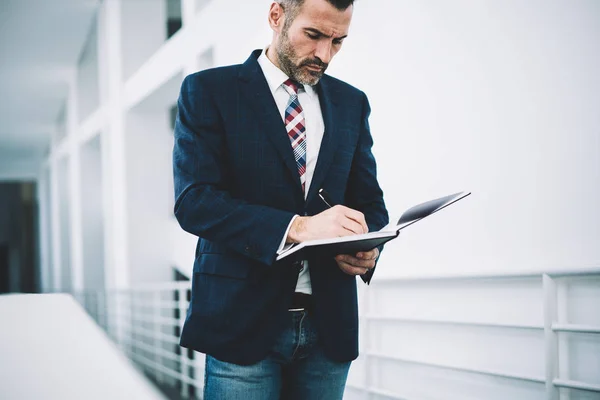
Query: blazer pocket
{"points": [[226, 265]]}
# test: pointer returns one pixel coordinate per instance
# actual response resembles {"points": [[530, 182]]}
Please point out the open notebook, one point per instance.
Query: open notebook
{"points": [[367, 241]]}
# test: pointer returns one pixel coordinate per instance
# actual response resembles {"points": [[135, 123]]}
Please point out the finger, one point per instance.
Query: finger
{"points": [[358, 217], [355, 262], [352, 226], [350, 270], [368, 255]]}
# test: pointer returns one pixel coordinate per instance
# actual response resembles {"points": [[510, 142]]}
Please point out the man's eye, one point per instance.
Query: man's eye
{"points": [[312, 35], [338, 41]]}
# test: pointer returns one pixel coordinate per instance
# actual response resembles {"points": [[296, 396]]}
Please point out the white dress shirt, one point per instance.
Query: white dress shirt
{"points": [[315, 127]]}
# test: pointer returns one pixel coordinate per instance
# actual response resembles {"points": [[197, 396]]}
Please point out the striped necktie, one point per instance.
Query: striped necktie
{"points": [[294, 124]]}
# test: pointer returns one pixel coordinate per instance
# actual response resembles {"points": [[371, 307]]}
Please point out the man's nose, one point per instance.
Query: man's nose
{"points": [[323, 51]]}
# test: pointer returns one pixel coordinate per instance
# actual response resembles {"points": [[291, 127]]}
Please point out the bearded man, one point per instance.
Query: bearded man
{"points": [[254, 145]]}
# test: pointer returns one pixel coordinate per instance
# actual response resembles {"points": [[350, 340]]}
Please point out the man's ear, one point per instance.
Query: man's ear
{"points": [[276, 17]]}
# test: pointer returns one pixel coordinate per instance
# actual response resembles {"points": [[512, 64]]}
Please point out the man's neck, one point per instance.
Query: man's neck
{"points": [[270, 53]]}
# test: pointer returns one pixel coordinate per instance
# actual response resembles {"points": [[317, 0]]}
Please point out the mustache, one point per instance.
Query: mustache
{"points": [[314, 62]]}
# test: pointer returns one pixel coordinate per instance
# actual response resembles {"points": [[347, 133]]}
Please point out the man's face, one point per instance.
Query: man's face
{"points": [[306, 46]]}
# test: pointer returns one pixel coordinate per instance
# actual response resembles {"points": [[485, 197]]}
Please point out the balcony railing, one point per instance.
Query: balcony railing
{"points": [[146, 323]]}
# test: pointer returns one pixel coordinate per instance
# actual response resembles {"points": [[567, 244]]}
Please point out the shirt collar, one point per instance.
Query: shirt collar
{"points": [[275, 77]]}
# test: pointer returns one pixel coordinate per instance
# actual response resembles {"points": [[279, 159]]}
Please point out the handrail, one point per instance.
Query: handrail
{"points": [[148, 287], [559, 273], [573, 328], [569, 384], [450, 322]]}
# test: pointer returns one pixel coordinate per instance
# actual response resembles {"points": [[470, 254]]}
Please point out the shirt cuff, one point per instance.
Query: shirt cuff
{"points": [[283, 246]]}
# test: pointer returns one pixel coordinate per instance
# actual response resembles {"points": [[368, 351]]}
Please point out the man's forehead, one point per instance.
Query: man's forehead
{"points": [[324, 17]]}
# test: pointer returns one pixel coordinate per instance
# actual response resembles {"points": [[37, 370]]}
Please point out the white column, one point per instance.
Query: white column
{"points": [[74, 188], [54, 284], [564, 341], [188, 12], [113, 145], [116, 266], [103, 81], [188, 15], [44, 227]]}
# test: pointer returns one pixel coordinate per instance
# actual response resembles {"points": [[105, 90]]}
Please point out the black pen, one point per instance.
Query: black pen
{"points": [[325, 197]]}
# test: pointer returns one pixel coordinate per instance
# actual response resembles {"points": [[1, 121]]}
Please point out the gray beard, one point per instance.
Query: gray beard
{"points": [[285, 54]]}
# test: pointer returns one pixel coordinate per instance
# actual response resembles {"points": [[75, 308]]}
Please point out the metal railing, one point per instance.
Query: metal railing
{"points": [[146, 323], [551, 328]]}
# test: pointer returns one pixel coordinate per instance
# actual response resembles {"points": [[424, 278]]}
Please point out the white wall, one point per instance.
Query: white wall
{"points": [[494, 98], [18, 168], [498, 98], [200, 4], [149, 211], [92, 215], [144, 27]]}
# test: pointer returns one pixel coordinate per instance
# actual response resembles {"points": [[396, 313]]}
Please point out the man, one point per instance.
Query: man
{"points": [[254, 143]]}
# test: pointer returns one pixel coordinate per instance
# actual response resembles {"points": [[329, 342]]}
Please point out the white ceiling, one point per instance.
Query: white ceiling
{"points": [[40, 44]]}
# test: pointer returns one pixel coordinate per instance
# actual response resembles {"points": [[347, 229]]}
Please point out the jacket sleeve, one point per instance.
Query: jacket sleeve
{"points": [[364, 193], [203, 203]]}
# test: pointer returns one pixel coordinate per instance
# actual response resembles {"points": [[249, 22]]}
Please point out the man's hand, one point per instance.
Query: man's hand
{"points": [[359, 265], [334, 222]]}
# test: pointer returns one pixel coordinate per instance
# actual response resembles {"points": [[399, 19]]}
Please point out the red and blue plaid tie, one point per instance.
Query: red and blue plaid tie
{"points": [[294, 124]]}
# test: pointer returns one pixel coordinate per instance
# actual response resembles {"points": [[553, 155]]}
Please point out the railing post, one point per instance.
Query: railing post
{"points": [[124, 309], [157, 331], [109, 316], [550, 337], [366, 312], [99, 311], [563, 340], [182, 304]]}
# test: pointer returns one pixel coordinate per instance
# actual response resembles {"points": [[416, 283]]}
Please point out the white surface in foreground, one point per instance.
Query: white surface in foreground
{"points": [[51, 349]]}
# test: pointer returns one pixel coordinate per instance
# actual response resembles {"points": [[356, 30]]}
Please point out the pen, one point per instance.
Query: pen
{"points": [[325, 197]]}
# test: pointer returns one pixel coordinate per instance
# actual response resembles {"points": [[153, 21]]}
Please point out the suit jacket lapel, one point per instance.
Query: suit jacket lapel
{"points": [[329, 108], [257, 93]]}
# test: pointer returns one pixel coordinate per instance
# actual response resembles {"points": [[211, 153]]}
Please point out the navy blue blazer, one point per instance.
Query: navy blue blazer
{"points": [[237, 189]]}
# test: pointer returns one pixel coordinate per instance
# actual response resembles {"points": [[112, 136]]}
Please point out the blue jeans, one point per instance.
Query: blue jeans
{"points": [[296, 368]]}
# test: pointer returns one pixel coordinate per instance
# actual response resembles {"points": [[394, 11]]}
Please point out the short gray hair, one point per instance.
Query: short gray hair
{"points": [[292, 8]]}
